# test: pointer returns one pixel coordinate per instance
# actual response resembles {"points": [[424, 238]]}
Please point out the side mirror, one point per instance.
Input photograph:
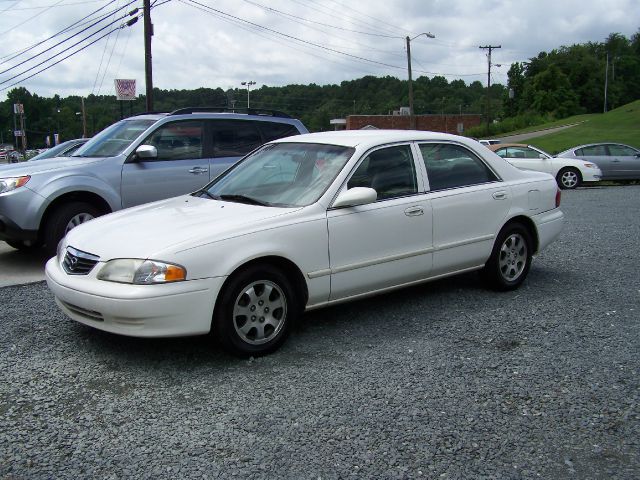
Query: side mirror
{"points": [[146, 151], [356, 196]]}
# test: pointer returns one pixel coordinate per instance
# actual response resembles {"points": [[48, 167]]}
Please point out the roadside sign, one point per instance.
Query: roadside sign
{"points": [[18, 108], [125, 89], [17, 133]]}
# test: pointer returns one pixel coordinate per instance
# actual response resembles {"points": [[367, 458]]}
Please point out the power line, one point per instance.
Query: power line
{"points": [[31, 18], [127, 24], [70, 27], [67, 39]]}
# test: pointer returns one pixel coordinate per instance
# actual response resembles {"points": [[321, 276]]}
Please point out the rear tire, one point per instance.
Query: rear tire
{"points": [[65, 218], [569, 178], [510, 259], [255, 311]]}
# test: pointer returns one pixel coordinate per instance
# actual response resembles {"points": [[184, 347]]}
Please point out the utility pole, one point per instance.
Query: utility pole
{"points": [[606, 83], [490, 48], [84, 120], [412, 119], [148, 33]]}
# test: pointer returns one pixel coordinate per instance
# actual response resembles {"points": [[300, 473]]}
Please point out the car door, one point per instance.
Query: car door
{"points": [[179, 167], [469, 203], [385, 243], [599, 155], [625, 161]]}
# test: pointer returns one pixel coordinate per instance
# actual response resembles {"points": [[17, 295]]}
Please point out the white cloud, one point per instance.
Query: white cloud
{"points": [[193, 48]]}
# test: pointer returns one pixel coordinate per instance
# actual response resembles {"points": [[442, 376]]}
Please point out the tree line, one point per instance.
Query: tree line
{"points": [[566, 81]]}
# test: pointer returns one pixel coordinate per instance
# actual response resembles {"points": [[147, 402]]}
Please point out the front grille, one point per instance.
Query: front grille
{"points": [[77, 262]]}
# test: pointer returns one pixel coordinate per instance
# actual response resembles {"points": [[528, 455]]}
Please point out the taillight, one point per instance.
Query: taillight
{"points": [[558, 197]]}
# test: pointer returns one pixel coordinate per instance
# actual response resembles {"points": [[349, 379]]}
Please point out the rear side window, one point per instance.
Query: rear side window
{"points": [[521, 152], [452, 166], [272, 131], [621, 150], [234, 138]]}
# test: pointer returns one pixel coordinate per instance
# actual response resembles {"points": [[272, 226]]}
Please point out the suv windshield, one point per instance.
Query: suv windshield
{"points": [[281, 174], [115, 139]]}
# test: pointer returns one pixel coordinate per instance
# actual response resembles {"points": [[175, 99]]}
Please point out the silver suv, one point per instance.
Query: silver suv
{"points": [[137, 160]]}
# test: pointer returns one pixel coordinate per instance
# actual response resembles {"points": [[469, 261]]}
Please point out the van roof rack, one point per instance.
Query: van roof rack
{"points": [[248, 111]]}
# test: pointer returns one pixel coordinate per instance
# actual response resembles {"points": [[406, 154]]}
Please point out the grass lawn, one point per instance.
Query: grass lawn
{"points": [[621, 125]]}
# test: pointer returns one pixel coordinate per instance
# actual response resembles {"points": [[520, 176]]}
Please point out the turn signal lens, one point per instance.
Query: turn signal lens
{"points": [[558, 198], [141, 272]]}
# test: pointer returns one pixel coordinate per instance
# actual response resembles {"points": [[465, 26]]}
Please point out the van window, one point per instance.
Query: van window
{"points": [[272, 131]]}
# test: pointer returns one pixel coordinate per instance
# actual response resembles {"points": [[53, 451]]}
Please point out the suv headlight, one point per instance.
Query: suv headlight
{"points": [[11, 183], [141, 272]]}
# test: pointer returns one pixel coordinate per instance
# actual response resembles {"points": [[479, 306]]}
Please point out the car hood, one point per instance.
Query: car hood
{"points": [[45, 165], [169, 226]]}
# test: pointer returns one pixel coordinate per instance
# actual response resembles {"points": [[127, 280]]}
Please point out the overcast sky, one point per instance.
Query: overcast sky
{"points": [[208, 43]]}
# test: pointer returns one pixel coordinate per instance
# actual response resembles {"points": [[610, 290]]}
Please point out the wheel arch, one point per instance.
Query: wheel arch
{"points": [[76, 196], [290, 269], [529, 225]]}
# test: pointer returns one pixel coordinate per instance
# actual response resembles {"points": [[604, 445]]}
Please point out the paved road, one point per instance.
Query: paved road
{"points": [[20, 267], [539, 133], [444, 380]]}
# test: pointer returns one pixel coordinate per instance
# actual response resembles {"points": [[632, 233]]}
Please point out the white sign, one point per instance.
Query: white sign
{"points": [[125, 89], [17, 133], [18, 108]]}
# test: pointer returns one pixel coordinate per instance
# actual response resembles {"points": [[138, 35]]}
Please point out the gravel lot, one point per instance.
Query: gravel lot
{"points": [[445, 380]]}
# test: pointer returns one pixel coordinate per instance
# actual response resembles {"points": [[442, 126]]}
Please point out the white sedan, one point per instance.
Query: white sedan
{"points": [[569, 172], [302, 223]]}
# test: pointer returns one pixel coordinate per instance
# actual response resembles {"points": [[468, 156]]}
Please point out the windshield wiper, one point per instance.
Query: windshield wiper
{"points": [[244, 199], [206, 193]]}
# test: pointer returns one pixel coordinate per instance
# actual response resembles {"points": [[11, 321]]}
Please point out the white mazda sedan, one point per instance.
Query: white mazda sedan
{"points": [[302, 223]]}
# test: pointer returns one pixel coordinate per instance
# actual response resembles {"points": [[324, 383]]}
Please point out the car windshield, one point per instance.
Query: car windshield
{"points": [[55, 151], [115, 139], [281, 175]]}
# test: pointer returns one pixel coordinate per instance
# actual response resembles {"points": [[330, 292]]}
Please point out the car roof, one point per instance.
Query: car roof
{"points": [[372, 138]]}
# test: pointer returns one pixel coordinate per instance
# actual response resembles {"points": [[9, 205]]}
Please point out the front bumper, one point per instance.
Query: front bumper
{"points": [[9, 230], [164, 310]]}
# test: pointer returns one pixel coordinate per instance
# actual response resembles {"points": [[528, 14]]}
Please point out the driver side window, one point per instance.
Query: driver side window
{"points": [[389, 171], [177, 140]]}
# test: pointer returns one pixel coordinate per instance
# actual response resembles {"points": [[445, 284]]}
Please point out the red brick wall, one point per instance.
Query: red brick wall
{"points": [[434, 123]]}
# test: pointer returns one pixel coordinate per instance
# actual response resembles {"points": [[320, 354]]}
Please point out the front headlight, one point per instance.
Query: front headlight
{"points": [[590, 165], [141, 272], [11, 183]]}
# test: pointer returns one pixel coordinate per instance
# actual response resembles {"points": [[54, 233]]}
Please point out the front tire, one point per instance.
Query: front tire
{"points": [[569, 178], [65, 218], [510, 259], [255, 311]]}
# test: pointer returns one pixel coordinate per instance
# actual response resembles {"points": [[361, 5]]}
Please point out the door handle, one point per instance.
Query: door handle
{"points": [[413, 211], [500, 195], [198, 170], [615, 161]]}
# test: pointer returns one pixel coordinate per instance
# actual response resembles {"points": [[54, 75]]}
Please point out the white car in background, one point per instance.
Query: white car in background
{"points": [[568, 172], [302, 223]]}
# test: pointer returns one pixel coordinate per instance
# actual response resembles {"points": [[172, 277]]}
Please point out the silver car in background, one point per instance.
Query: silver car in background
{"points": [[616, 160]]}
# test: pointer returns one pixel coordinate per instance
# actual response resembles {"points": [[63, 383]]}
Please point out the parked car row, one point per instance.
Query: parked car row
{"points": [[578, 165]]}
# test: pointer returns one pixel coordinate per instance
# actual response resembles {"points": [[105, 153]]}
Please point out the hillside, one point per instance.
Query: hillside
{"points": [[620, 125]]}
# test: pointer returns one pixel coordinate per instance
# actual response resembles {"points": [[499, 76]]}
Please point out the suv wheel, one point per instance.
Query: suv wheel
{"points": [[65, 218]]}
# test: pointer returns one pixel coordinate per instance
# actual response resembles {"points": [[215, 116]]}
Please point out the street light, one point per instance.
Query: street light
{"points": [[248, 84], [412, 120]]}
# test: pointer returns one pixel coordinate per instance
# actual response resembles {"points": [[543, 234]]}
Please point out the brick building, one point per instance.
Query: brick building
{"points": [[456, 124]]}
